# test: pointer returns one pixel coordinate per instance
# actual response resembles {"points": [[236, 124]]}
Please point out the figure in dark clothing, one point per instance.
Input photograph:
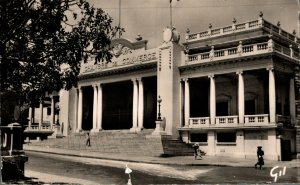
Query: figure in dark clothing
{"points": [[88, 139], [197, 151], [260, 159]]}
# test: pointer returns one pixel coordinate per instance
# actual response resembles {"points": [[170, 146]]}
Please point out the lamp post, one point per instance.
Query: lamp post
{"points": [[159, 100]]}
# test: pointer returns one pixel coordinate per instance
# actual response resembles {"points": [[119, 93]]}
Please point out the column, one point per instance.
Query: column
{"points": [[29, 117], [95, 107], [41, 114], [241, 97], [212, 100], [272, 96], [79, 111], [186, 102], [140, 104], [99, 116], [182, 118], [292, 101], [52, 112], [134, 105]]}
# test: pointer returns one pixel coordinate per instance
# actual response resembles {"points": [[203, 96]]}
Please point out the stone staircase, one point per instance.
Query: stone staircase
{"points": [[122, 142]]}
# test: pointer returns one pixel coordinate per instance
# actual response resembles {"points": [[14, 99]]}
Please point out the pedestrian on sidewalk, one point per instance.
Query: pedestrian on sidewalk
{"points": [[197, 151], [87, 139], [260, 158]]}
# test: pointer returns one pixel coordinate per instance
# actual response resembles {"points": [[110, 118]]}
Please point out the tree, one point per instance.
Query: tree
{"points": [[42, 43]]}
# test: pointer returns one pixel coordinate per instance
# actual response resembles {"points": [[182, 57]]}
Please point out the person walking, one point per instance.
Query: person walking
{"points": [[87, 139], [197, 151], [260, 159]]}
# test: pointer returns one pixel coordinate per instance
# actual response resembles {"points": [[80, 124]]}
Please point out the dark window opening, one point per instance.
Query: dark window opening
{"points": [[222, 108], [250, 107], [199, 137], [48, 111], [226, 137]]}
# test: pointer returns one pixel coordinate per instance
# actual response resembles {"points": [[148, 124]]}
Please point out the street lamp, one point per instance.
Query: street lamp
{"points": [[159, 100]]}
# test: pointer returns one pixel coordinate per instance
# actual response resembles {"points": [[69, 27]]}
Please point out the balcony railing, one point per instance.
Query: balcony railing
{"points": [[260, 119], [199, 122], [232, 121], [37, 128], [240, 51], [240, 27], [226, 121]]}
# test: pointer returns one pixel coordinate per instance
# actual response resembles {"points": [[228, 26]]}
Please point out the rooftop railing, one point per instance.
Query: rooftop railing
{"points": [[240, 27]]}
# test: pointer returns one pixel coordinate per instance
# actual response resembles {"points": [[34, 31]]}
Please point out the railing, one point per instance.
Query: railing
{"points": [[199, 122], [246, 50], [240, 51], [285, 120], [226, 120], [38, 128], [256, 119], [259, 23]]}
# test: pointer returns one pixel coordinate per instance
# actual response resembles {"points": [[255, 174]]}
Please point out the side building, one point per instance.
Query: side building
{"points": [[231, 89]]}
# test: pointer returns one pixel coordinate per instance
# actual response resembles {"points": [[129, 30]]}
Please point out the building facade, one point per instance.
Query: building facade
{"points": [[231, 89]]}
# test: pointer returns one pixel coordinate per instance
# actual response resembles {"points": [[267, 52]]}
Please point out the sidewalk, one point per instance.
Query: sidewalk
{"points": [[176, 160]]}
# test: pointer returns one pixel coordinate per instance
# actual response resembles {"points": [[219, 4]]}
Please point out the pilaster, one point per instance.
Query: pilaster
{"points": [[212, 100], [79, 111], [241, 97]]}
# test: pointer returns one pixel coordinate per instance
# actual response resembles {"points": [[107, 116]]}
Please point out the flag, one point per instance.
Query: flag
{"points": [[127, 170]]}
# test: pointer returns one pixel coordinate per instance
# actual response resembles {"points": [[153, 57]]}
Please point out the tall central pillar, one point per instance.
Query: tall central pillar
{"points": [[134, 106], [272, 96], [212, 100], [30, 117], [99, 116], [292, 99], [241, 97], [140, 105], [41, 114], [95, 108], [186, 102], [52, 112], [79, 111]]}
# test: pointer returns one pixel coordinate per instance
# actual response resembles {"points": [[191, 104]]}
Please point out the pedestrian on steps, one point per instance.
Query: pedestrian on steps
{"points": [[87, 139]]}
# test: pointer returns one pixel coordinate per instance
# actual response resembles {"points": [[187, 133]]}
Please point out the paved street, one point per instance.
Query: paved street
{"points": [[56, 168]]}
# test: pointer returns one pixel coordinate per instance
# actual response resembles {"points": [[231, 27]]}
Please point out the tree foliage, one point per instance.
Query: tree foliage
{"points": [[42, 43]]}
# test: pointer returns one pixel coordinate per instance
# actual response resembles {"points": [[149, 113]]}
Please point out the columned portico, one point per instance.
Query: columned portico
{"points": [[140, 104], [95, 108], [79, 111], [135, 106], [241, 97], [99, 108], [212, 99], [272, 96], [186, 102]]}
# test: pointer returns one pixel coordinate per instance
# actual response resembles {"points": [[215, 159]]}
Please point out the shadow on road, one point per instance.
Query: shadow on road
{"points": [[30, 180]]}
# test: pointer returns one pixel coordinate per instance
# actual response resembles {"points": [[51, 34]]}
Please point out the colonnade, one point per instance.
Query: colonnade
{"points": [[241, 98], [137, 106]]}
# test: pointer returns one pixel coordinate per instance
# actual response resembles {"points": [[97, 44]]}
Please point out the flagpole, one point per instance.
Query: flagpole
{"points": [[119, 18], [171, 14]]}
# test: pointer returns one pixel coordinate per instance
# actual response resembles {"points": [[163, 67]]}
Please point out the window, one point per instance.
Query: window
{"points": [[48, 111], [222, 108], [199, 137], [226, 137]]}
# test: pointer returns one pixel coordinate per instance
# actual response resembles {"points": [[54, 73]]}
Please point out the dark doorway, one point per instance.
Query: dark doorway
{"points": [[286, 154], [87, 108], [250, 107], [150, 98], [222, 108], [117, 105]]}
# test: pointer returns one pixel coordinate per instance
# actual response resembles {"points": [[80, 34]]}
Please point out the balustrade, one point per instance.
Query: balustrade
{"points": [[247, 50], [241, 27], [257, 119], [226, 120], [199, 122]]}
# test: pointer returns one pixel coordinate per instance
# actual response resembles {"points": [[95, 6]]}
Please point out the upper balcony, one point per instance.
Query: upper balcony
{"points": [[241, 51], [241, 27]]}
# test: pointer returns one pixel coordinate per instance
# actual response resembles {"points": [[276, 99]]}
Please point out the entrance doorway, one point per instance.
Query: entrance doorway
{"points": [[286, 154]]}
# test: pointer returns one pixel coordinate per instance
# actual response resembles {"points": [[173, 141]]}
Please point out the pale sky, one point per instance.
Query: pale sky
{"points": [[149, 17]]}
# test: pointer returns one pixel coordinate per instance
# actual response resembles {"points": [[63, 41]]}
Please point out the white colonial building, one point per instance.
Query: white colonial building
{"points": [[231, 89]]}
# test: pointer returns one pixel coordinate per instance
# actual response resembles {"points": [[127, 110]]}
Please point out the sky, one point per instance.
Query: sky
{"points": [[148, 18]]}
